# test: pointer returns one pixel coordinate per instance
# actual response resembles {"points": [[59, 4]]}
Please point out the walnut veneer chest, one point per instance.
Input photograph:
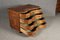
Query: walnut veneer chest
{"points": [[27, 19], [58, 6]]}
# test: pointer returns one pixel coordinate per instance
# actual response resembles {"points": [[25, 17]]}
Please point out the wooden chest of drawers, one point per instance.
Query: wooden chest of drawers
{"points": [[58, 6], [27, 19]]}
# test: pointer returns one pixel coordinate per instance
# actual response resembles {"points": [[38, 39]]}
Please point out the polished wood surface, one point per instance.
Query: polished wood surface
{"points": [[58, 6]]}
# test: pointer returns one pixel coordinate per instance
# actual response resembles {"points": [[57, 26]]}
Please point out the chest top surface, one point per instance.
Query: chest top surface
{"points": [[24, 8]]}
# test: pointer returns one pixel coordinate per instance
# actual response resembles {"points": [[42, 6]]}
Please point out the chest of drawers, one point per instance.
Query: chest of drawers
{"points": [[58, 6], [27, 19]]}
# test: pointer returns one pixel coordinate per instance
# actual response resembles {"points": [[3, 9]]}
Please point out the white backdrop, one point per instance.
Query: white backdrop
{"points": [[48, 6]]}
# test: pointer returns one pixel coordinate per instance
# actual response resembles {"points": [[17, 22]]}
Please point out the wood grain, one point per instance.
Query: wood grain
{"points": [[58, 6]]}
